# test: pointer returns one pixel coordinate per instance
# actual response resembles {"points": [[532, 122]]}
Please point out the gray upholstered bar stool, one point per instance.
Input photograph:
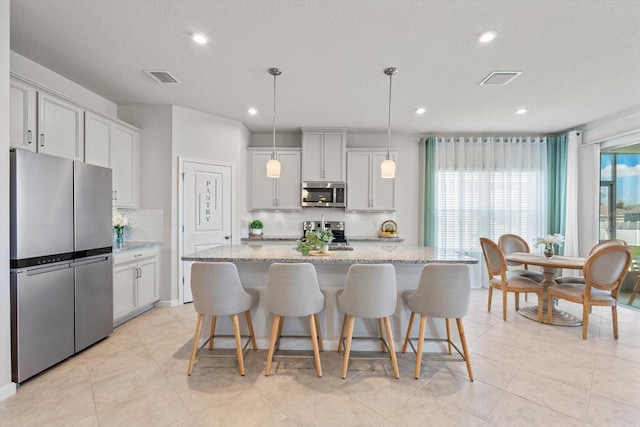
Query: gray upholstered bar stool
{"points": [[217, 291], [293, 290], [370, 293], [443, 292]]}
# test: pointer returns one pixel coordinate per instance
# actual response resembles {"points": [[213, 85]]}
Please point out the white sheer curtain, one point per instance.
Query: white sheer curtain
{"points": [[486, 187]]}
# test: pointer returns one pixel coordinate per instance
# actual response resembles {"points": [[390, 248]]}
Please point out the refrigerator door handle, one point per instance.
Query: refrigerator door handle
{"points": [[89, 261], [36, 271]]}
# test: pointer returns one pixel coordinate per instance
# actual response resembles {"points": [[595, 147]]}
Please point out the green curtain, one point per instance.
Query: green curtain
{"points": [[430, 193], [557, 184]]}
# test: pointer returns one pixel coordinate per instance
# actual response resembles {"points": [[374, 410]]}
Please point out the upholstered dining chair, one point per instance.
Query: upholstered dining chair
{"points": [[510, 243], [604, 271], [594, 249], [217, 291], [635, 269], [443, 292], [501, 279]]}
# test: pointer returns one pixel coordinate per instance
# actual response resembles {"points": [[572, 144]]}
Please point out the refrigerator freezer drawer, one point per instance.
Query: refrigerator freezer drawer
{"points": [[94, 300], [42, 327]]}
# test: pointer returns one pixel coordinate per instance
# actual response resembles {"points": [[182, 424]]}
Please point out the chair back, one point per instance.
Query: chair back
{"points": [[370, 291], [494, 258], [606, 243], [509, 243], [443, 291], [606, 268], [293, 290], [217, 290]]}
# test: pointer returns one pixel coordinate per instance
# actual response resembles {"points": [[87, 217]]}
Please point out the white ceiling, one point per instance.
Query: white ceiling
{"points": [[580, 60]]}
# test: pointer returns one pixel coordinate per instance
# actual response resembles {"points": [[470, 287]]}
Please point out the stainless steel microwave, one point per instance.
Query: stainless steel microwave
{"points": [[322, 194]]}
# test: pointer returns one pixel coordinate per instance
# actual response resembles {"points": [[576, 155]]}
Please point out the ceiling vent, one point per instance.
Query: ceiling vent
{"points": [[162, 77], [500, 77]]}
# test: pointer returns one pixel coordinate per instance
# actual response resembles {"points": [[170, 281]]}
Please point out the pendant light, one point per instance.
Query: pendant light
{"points": [[388, 167], [273, 165]]}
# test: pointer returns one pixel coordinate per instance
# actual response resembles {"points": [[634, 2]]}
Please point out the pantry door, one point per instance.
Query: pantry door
{"points": [[207, 212]]}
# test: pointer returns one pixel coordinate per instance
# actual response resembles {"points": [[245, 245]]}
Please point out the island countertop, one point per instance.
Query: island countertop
{"points": [[361, 255]]}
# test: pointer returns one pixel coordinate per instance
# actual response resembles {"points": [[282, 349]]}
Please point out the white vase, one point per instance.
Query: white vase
{"points": [[324, 249], [256, 231]]}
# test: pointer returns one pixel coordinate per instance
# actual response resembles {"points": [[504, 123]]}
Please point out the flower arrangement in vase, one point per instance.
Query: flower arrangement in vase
{"points": [[315, 240], [120, 222], [550, 242]]}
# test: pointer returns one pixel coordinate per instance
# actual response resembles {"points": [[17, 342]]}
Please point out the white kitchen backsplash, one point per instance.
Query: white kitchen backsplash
{"points": [[357, 224], [147, 225]]}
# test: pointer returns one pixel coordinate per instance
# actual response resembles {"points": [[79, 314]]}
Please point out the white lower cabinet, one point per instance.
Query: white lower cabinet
{"points": [[135, 282]]}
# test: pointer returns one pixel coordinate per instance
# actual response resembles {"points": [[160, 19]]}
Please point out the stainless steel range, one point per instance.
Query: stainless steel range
{"points": [[340, 241]]}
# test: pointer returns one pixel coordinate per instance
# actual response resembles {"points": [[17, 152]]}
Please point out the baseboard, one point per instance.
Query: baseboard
{"points": [[168, 303], [7, 390]]}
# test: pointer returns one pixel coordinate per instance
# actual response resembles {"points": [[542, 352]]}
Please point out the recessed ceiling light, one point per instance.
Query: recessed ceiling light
{"points": [[421, 110], [487, 36], [522, 110], [252, 111], [199, 38]]}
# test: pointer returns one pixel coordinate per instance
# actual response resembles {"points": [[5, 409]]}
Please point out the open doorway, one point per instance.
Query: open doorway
{"points": [[620, 210]]}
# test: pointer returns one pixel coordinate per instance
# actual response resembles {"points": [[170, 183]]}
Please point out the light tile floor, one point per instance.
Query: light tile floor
{"points": [[526, 374]]}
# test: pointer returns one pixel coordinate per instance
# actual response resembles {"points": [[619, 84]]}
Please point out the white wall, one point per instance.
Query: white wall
{"points": [[155, 176], [7, 388], [170, 132]]}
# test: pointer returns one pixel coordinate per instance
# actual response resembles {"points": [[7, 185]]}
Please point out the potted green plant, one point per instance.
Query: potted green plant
{"points": [[316, 240], [256, 227]]}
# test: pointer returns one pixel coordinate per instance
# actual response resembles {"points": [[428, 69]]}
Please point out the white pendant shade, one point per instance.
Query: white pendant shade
{"points": [[273, 168], [388, 169]]}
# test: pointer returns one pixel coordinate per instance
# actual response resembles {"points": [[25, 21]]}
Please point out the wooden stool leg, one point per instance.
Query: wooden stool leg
{"points": [[344, 324], [236, 332], [272, 343], [408, 337], [465, 350], [380, 328], [252, 335], [347, 346], [314, 343], [194, 348], [392, 348], [213, 331], [423, 324], [279, 332], [318, 331], [448, 323]]}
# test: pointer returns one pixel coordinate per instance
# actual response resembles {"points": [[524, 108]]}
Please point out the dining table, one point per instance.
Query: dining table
{"points": [[549, 265]]}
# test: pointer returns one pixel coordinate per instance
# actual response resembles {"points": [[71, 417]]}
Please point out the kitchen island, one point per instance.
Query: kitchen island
{"points": [[253, 266]]}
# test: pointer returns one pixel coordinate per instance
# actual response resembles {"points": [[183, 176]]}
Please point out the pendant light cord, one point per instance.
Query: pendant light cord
{"points": [[273, 154], [389, 125]]}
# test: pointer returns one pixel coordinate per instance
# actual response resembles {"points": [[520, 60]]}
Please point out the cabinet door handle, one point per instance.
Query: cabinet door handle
{"points": [[115, 193], [29, 137], [140, 273], [137, 255], [42, 140]]}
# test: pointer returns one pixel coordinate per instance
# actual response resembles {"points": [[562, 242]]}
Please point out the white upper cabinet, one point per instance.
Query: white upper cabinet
{"points": [[22, 124], [275, 193], [323, 155], [366, 189], [113, 145], [60, 127]]}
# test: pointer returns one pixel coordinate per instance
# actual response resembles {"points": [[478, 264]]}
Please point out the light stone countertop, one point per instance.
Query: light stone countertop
{"points": [[353, 239], [365, 254], [127, 246]]}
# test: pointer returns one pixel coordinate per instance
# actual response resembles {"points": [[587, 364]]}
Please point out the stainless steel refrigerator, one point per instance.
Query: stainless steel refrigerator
{"points": [[61, 282]]}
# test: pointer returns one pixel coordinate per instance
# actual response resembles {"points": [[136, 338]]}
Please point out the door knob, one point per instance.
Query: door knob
{"points": [[227, 237]]}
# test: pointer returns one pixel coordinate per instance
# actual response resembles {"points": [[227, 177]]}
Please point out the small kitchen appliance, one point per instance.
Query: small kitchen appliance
{"points": [[340, 240], [323, 194]]}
